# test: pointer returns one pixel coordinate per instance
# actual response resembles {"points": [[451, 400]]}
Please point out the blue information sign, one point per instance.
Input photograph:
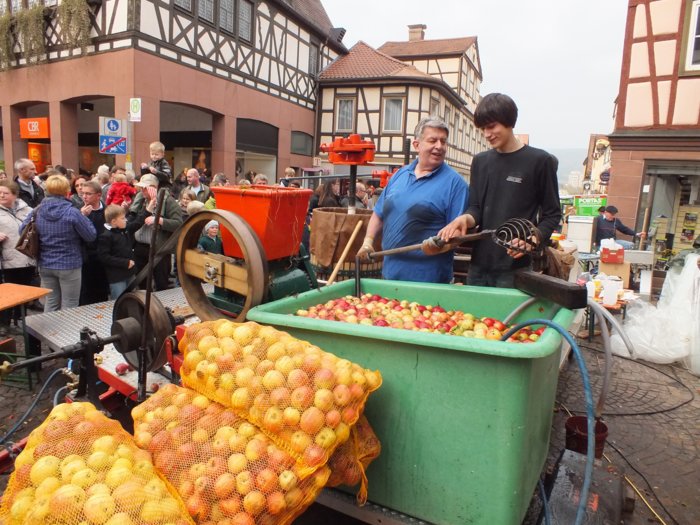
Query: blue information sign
{"points": [[112, 145]]}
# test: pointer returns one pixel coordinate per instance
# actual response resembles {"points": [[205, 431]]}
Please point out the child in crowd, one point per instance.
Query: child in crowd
{"points": [[115, 248], [210, 240], [158, 165], [186, 197], [120, 191]]}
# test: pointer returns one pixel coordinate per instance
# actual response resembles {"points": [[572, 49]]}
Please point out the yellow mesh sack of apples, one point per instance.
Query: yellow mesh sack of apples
{"points": [[350, 461], [79, 467], [303, 398], [223, 467]]}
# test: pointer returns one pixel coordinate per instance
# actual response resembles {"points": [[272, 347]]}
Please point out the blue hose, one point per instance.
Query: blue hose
{"points": [[31, 407], [590, 452]]}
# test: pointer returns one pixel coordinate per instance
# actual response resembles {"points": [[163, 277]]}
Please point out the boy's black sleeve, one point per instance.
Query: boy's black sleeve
{"points": [[104, 252], [163, 172]]}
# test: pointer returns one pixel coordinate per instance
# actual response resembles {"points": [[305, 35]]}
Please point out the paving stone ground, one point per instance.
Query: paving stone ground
{"points": [[652, 411]]}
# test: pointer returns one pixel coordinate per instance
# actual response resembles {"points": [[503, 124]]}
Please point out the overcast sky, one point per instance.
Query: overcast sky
{"points": [[559, 59]]}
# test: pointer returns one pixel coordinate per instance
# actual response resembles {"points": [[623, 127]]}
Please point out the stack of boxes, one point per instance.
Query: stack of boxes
{"points": [[612, 262]]}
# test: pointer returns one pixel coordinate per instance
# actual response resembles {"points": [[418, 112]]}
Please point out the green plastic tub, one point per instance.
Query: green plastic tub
{"points": [[464, 423]]}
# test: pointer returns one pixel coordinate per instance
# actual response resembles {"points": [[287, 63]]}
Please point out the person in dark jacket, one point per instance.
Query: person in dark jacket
{"points": [[170, 220], [608, 225], [158, 165], [29, 191], [115, 248], [94, 286], [62, 230]]}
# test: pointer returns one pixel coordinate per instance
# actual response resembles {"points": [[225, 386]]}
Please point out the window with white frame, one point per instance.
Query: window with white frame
{"points": [[393, 115], [205, 10], [245, 20], [692, 60], [448, 114], [226, 13], [184, 4], [345, 112]]}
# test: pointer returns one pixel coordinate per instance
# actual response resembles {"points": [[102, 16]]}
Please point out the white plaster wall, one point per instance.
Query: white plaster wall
{"points": [[664, 56], [638, 111], [639, 61], [664, 16], [687, 107]]}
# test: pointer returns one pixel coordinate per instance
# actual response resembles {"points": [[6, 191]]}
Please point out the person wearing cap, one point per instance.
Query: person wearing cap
{"points": [[608, 225], [170, 220], [210, 240]]}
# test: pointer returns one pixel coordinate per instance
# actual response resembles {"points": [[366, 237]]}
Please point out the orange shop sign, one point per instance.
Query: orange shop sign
{"points": [[34, 128]]}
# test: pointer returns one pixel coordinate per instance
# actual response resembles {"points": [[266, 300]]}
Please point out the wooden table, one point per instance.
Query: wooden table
{"points": [[619, 308], [12, 295]]}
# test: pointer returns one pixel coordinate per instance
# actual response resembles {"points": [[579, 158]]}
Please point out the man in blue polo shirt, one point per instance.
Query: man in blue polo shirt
{"points": [[419, 200]]}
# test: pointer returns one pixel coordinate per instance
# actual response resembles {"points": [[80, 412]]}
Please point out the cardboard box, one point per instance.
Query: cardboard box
{"points": [[621, 270], [612, 256]]}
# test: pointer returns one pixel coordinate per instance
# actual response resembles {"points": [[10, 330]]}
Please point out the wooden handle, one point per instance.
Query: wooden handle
{"points": [[340, 262]]}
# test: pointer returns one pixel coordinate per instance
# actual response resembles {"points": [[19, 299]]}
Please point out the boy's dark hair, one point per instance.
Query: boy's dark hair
{"points": [[113, 212], [601, 209], [496, 107]]}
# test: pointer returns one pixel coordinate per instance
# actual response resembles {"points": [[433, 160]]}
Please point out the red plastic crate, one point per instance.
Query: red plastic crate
{"points": [[275, 213]]}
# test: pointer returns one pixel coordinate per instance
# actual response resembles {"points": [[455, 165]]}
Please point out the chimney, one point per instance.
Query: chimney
{"points": [[416, 32]]}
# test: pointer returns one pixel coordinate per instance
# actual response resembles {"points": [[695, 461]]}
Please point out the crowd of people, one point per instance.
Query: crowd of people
{"points": [[95, 232]]}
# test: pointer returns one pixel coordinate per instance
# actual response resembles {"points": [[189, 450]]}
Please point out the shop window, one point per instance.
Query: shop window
{"points": [[245, 20], [393, 115], [226, 13], [345, 111], [692, 61], [302, 143]]}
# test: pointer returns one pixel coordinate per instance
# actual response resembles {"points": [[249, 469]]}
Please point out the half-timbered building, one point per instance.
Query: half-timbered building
{"points": [[228, 84], [656, 142], [382, 94]]}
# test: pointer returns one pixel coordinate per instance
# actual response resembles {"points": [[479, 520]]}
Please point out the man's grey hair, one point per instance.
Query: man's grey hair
{"points": [[130, 176], [102, 177], [430, 122], [93, 185], [21, 163]]}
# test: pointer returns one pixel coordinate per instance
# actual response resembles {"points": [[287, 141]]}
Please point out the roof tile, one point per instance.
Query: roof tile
{"points": [[415, 48], [365, 62]]}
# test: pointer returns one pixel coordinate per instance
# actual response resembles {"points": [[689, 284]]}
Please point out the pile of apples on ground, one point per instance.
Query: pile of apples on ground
{"points": [[375, 310]]}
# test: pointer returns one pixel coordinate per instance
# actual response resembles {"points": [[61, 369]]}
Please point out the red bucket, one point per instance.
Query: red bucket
{"points": [[577, 435]]}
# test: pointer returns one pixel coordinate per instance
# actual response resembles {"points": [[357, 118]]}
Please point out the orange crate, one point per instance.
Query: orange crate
{"points": [[275, 213], [612, 256]]}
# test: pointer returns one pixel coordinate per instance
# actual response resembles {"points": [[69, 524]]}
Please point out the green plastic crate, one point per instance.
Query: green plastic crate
{"points": [[464, 423]]}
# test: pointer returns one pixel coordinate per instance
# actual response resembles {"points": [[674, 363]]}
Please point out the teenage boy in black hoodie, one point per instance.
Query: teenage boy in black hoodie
{"points": [[115, 248], [511, 180]]}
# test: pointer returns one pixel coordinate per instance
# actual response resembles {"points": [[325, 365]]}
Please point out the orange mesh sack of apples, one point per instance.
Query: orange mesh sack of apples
{"points": [[350, 461], [223, 467], [303, 398], [81, 468]]}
